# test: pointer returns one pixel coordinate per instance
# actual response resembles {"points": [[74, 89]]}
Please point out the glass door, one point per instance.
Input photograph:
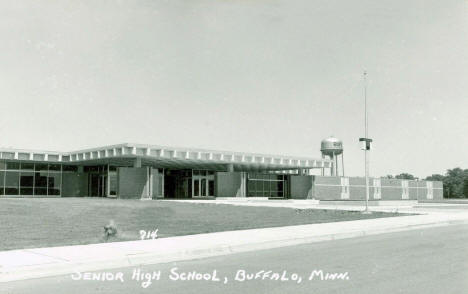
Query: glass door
{"points": [[103, 186], [203, 183]]}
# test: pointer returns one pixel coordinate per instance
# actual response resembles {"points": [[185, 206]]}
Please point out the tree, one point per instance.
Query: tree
{"points": [[405, 176], [456, 183], [435, 177]]}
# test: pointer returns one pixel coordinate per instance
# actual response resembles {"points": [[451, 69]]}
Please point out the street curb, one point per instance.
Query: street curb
{"points": [[133, 260]]}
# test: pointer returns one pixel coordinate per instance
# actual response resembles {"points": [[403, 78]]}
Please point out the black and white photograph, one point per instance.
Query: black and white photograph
{"points": [[233, 146]]}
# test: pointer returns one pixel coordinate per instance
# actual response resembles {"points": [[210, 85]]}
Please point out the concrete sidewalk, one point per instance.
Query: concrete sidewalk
{"points": [[42, 262]]}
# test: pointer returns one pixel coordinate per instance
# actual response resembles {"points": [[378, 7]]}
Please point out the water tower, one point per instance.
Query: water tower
{"points": [[332, 147]]}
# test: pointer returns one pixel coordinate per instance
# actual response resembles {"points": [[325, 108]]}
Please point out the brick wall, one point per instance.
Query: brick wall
{"points": [[132, 182], [354, 188], [74, 184], [230, 184], [301, 187]]}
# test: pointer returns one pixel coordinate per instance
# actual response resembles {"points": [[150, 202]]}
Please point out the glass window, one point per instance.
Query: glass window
{"points": [[196, 188], [113, 183], [13, 165], [27, 166], [88, 169], [280, 186], [11, 183], [251, 185], [112, 168], [2, 182], [40, 180], [266, 185], [211, 189], [54, 183], [203, 187], [2, 165], [27, 179], [196, 172], [26, 183], [259, 185], [70, 168], [41, 167], [55, 167]]}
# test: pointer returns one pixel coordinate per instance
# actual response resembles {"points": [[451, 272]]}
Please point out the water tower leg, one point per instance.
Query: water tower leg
{"points": [[342, 163], [332, 165], [336, 166]]}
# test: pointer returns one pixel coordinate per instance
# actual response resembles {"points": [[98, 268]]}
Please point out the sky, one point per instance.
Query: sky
{"points": [[261, 76]]}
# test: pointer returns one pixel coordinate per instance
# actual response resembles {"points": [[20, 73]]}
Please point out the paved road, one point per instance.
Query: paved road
{"points": [[420, 261]]}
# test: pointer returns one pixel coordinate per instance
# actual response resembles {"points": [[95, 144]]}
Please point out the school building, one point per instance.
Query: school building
{"points": [[160, 172]]}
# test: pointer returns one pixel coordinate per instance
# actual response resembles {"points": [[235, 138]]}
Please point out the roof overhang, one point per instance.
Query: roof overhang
{"points": [[168, 157]]}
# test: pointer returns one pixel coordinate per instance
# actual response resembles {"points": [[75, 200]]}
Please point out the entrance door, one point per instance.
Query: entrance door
{"points": [[203, 183], [103, 186], [97, 185], [177, 183], [93, 185]]}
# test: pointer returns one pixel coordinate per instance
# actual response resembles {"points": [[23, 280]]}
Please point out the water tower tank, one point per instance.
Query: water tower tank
{"points": [[331, 146]]}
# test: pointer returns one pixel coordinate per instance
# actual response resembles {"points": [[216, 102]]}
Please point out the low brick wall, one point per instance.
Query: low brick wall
{"points": [[354, 188]]}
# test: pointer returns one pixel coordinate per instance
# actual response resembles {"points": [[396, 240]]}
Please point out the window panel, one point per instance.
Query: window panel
{"points": [[27, 179], [2, 182], [13, 165], [70, 168], [40, 191], [203, 187], [41, 167], [196, 188], [26, 183], [266, 185], [27, 166], [2, 165], [40, 179], [113, 183], [11, 183], [211, 189], [54, 183], [259, 185], [55, 167]]}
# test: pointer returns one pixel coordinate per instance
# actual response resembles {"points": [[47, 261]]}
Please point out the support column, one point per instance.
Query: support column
{"points": [[230, 167]]}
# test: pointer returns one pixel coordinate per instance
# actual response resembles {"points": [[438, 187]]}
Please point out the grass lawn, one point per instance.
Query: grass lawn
{"points": [[31, 223]]}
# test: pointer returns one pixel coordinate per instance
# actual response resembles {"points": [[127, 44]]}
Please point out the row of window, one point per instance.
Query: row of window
{"points": [[28, 166], [197, 172], [30, 183], [269, 177], [266, 188]]}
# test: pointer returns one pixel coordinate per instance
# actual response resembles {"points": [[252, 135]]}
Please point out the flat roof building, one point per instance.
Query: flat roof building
{"points": [[159, 172], [116, 170]]}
